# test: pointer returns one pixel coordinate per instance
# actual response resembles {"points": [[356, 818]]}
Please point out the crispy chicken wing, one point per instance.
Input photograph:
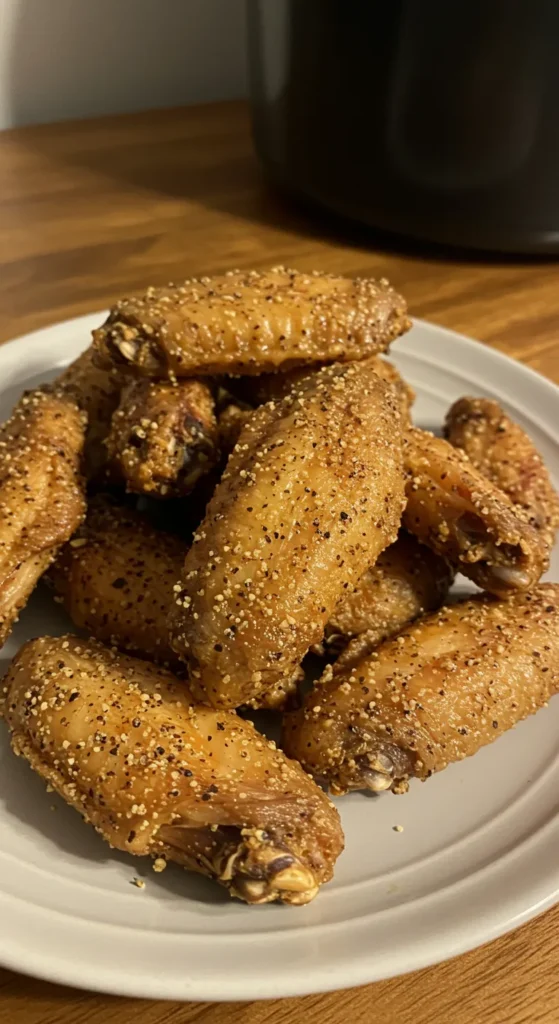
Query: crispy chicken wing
{"points": [[121, 741], [442, 689], [16, 589], [404, 391], [312, 494], [271, 387], [500, 449], [116, 577], [41, 492], [251, 322], [163, 437], [97, 392], [455, 510], [407, 580]]}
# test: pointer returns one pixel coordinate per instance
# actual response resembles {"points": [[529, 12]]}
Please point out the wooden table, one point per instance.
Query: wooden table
{"points": [[92, 210]]}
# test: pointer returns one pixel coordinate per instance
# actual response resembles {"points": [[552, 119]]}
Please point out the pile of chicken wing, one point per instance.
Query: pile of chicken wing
{"points": [[226, 482]]}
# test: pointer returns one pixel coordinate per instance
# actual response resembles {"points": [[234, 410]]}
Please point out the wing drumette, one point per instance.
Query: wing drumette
{"points": [[407, 580], [442, 689], [116, 577], [121, 741], [248, 323], [41, 493], [455, 510], [500, 449], [311, 495], [163, 437]]}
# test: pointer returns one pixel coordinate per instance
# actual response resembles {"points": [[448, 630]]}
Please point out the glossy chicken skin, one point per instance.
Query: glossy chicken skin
{"points": [[163, 437], [462, 516], [123, 743], [249, 323], [116, 577], [407, 580], [500, 449], [311, 495], [446, 686], [41, 492], [404, 391]]}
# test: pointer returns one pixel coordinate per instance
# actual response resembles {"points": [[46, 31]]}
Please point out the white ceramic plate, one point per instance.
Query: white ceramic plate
{"points": [[477, 857]]}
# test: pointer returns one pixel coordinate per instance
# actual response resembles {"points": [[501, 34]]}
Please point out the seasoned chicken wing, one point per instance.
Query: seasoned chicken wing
{"points": [[41, 492], [16, 589], [459, 513], [271, 387], [116, 577], [163, 437], [435, 694], [405, 392], [500, 449], [122, 742], [406, 580], [97, 392], [311, 495], [251, 322]]}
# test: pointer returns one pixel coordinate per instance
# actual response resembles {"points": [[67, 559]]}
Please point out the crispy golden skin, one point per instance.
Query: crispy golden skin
{"points": [[405, 392], [249, 323], [116, 579], [407, 580], [97, 392], [163, 437], [122, 742], [445, 687], [500, 449], [312, 494], [459, 513], [41, 492]]}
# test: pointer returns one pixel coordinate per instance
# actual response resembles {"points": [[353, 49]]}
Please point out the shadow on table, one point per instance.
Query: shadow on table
{"points": [[73, 51], [235, 184]]}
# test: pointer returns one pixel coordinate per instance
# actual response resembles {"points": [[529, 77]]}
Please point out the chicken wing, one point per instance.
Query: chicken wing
{"points": [[116, 577], [407, 580], [312, 494], [435, 694], [121, 741], [163, 437], [41, 492], [97, 392], [271, 387], [455, 510], [16, 589], [500, 449], [404, 391], [248, 323]]}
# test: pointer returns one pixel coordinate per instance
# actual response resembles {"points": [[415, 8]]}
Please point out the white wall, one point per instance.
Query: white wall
{"points": [[79, 58]]}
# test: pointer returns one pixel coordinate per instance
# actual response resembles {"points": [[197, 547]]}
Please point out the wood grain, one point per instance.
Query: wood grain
{"points": [[92, 210]]}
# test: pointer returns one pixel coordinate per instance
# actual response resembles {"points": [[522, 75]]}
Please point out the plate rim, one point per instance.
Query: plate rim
{"points": [[22, 948]]}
